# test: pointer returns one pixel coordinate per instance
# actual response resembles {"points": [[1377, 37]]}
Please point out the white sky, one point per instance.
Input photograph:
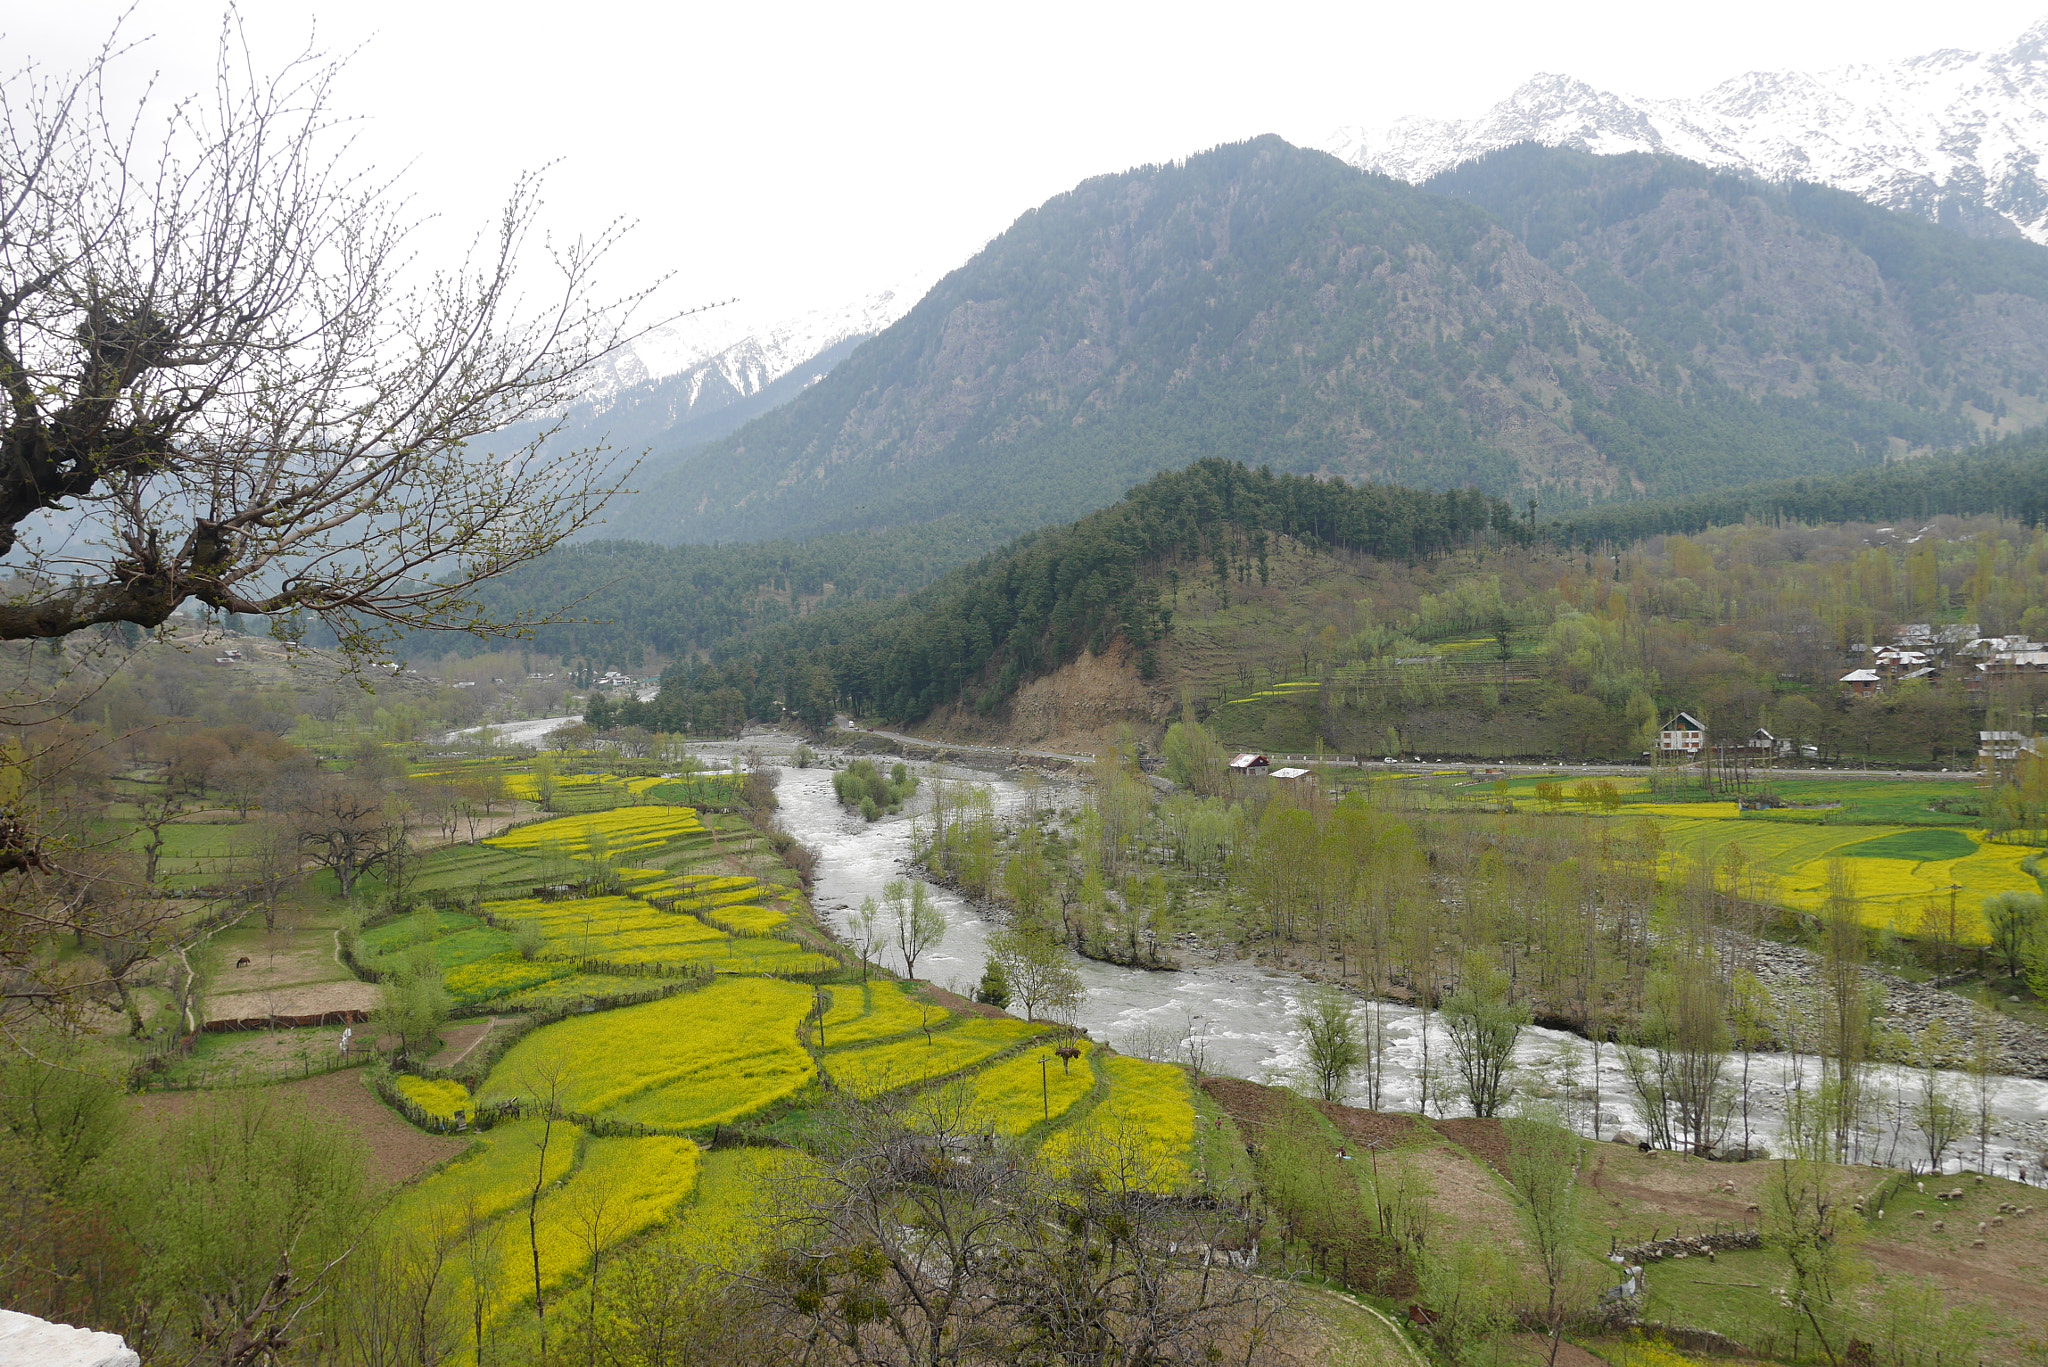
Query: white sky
{"points": [[800, 154]]}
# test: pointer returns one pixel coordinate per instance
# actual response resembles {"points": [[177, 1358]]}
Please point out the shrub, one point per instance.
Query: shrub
{"points": [[995, 988], [529, 940], [862, 787]]}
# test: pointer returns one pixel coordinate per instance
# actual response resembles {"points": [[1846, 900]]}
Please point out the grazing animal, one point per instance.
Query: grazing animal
{"points": [[242, 962], [1976, 1243], [1919, 1214], [1940, 1225]]}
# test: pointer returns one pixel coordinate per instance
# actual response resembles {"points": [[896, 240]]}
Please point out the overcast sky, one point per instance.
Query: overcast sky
{"points": [[798, 154]]}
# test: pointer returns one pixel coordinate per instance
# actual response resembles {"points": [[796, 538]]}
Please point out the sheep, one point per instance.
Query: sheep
{"points": [[1920, 1187], [1940, 1225], [1976, 1243], [1998, 1222], [1919, 1214]]}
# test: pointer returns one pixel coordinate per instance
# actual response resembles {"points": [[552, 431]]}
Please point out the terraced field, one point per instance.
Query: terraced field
{"points": [[689, 1062], [1144, 1127], [870, 1070], [732, 1049], [1033, 1088]]}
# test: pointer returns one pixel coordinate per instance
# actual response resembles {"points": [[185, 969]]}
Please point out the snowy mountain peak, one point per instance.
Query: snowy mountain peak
{"points": [[1950, 135], [747, 354]]}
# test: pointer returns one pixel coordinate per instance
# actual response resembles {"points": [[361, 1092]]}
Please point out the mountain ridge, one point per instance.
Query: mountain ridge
{"points": [[1267, 303], [1952, 136]]}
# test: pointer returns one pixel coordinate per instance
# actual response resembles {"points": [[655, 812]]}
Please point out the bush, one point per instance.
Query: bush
{"points": [[862, 787], [529, 940], [995, 988]]}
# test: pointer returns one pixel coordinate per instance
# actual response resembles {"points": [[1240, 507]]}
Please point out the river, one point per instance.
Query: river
{"points": [[1240, 1015]]}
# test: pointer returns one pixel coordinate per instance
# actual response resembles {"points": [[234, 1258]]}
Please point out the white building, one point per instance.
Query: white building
{"points": [[1684, 734]]}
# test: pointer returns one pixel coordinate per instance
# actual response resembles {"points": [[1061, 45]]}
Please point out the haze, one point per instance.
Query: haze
{"points": [[800, 155]]}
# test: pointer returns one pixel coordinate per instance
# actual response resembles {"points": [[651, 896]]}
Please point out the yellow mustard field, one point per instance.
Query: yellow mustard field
{"points": [[746, 920], [623, 830], [619, 1189], [1143, 1131], [494, 1175], [702, 1058], [620, 929], [488, 979], [1793, 859], [440, 1098], [1032, 1088], [885, 1010], [873, 1069]]}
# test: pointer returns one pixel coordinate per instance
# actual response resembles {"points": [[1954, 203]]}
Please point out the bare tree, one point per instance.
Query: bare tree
{"points": [[220, 376], [240, 780], [152, 814], [340, 823], [274, 859], [919, 1242]]}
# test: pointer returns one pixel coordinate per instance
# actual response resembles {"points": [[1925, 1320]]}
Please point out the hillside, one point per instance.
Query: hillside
{"points": [[1298, 613], [1549, 323]]}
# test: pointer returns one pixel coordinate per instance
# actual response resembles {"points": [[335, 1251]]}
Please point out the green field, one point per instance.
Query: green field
{"points": [[1904, 860]]}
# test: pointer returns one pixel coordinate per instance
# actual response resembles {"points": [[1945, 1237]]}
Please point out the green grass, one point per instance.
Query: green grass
{"points": [[1933, 843], [465, 866]]}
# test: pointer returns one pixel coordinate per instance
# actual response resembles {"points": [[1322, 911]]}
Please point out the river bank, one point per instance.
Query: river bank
{"points": [[1236, 1017]]}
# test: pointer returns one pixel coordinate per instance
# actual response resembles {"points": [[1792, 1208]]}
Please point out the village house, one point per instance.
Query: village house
{"points": [[1861, 683], [1255, 765], [1684, 734], [1997, 748], [1293, 776], [2003, 657], [1892, 662]]}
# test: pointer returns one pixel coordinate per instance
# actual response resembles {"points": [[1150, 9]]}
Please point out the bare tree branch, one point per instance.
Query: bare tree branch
{"points": [[220, 382]]}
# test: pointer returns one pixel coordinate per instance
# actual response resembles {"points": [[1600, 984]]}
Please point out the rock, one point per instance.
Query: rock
{"points": [[1624, 1137], [26, 1339]]}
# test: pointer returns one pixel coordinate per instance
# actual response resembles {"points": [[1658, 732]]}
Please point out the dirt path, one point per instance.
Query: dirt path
{"points": [[1952, 1270], [460, 1042], [396, 1151], [994, 751]]}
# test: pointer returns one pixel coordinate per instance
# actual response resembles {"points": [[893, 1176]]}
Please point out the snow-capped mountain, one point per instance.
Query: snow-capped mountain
{"points": [[720, 345], [1953, 136], [698, 378]]}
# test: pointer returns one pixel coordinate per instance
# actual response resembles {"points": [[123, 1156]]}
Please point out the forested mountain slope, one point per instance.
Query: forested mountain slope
{"points": [[1545, 322], [1219, 578], [1035, 605]]}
